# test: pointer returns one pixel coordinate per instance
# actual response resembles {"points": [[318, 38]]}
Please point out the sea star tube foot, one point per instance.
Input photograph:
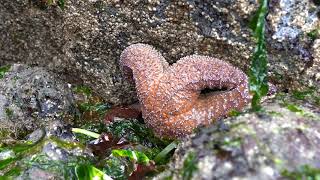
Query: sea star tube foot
{"points": [[170, 95]]}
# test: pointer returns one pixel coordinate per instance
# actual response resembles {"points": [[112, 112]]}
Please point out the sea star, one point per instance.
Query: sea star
{"points": [[170, 95]]}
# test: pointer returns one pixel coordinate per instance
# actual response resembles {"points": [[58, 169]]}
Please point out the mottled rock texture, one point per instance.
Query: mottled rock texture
{"points": [[32, 98], [84, 41], [52, 156], [292, 49], [253, 146]]}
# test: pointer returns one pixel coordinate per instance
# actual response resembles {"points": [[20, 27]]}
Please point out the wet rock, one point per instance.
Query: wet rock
{"points": [[55, 153], [313, 73], [38, 173], [36, 135], [61, 130], [50, 156], [84, 40], [55, 128], [32, 97], [290, 18], [254, 146], [290, 45]]}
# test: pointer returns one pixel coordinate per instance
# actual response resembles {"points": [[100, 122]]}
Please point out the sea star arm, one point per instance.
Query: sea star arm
{"points": [[204, 111], [184, 106], [170, 97], [144, 65], [183, 82]]}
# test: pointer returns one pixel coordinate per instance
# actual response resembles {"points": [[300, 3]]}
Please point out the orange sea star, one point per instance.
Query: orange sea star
{"points": [[170, 95]]}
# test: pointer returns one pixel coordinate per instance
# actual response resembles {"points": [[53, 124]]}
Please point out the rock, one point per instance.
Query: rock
{"points": [[38, 173], [291, 45], [290, 18], [54, 154], [83, 41], [267, 145], [313, 73], [32, 97]]}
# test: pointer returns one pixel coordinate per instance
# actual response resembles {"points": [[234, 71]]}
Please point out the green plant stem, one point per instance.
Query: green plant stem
{"points": [[86, 132], [258, 83], [165, 151]]}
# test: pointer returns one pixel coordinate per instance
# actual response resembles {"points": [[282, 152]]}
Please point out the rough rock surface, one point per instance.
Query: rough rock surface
{"points": [[292, 48], [54, 157], [31, 97], [253, 146], [84, 40]]}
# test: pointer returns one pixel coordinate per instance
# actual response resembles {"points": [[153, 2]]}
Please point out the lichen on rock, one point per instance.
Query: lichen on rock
{"points": [[31, 97], [266, 145], [85, 40]]}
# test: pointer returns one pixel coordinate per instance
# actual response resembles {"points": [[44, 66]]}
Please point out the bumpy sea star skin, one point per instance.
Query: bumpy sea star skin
{"points": [[170, 97]]}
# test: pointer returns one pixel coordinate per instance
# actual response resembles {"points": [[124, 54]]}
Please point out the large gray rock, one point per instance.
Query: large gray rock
{"points": [[32, 97], [266, 145], [84, 40], [293, 50]]}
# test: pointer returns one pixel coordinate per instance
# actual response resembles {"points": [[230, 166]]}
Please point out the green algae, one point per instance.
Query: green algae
{"points": [[142, 150], [86, 132], [139, 142], [162, 157], [115, 167], [25, 154], [234, 113], [136, 132], [99, 108], [189, 166], [258, 83], [61, 4], [302, 95], [87, 171], [314, 34], [91, 106], [81, 89], [9, 112], [275, 113], [231, 142], [296, 100], [303, 172], [11, 173], [298, 110], [17, 152], [309, 94], [3, 70], [44, 4], [95, 128], [135, 156], [4, 134], [66, 169], [294, 108], [66, 144]]}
